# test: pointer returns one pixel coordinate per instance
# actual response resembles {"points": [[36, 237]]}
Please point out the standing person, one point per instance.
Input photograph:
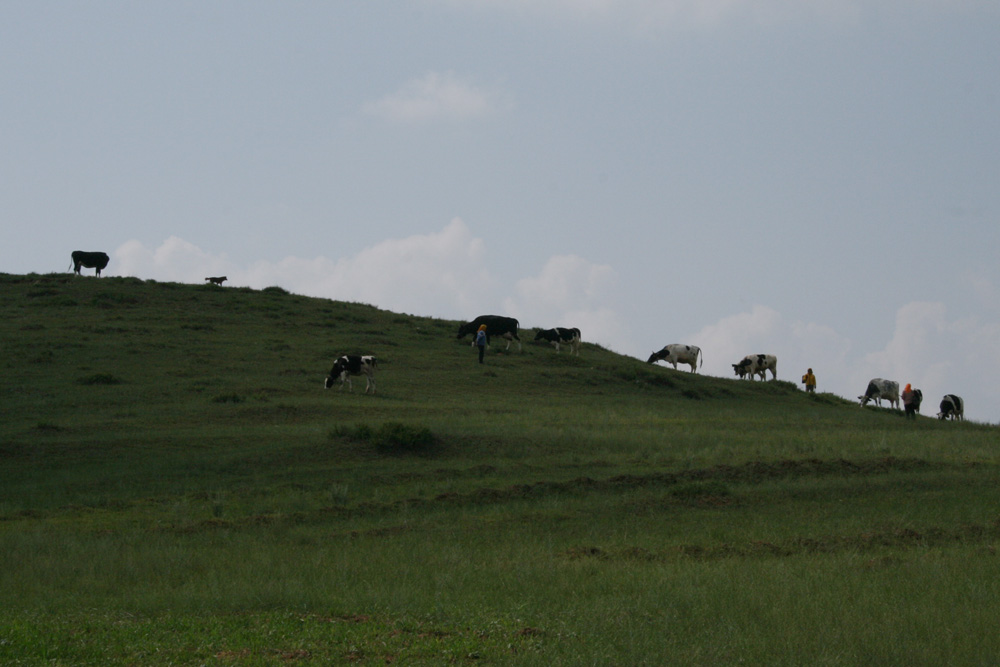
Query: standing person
{"points": [[911, 401], [809, 380], [481, 341]]}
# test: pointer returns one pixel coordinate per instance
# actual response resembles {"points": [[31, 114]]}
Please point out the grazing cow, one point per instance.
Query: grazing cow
{"points": [[496, 325], [757, 364], [559, 335], [678, 353], [216, 280], [90, 260], [352, 364], [879, 389], [952, 407]]}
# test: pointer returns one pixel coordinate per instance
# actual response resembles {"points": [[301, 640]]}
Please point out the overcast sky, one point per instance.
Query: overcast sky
{"points": [[817, 179]]}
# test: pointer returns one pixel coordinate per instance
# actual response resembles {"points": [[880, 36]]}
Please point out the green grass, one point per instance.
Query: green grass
{"points": [[176, 487]]}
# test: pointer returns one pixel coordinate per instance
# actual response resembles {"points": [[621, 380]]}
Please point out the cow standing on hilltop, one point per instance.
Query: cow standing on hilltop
{"points": [[757, 364], [496, 325], [90, 260], [879, 389], [952, 407], [678, 353], [561, 335]]}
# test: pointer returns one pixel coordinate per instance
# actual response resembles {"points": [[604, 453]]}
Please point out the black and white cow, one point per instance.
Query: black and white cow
{"points": [[879, 389], [496, 325], [952, 407], [90, 260], [678, 353], [757, 364], [559, 335], [352, 364]]}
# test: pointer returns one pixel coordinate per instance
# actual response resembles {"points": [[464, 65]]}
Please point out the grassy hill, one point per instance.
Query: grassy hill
{"points": [[176, 487]]}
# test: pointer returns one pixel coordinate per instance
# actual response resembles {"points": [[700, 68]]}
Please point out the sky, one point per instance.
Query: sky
{"points": [[817, 179]]}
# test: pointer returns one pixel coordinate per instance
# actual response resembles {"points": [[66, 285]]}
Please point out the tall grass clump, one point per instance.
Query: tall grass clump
{"points": [[390, 437]]}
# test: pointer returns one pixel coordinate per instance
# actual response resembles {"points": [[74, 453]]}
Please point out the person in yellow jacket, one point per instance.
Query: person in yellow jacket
{"points": [[809, 380]]}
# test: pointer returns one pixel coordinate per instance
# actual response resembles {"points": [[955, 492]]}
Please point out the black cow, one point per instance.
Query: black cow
{"points": [[559, 335], [352, 364], [90, 260], [496, 325], [216, 280], [952, 407]]}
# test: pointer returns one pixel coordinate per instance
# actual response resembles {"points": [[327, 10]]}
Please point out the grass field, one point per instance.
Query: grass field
{"points": [[177, 488]]}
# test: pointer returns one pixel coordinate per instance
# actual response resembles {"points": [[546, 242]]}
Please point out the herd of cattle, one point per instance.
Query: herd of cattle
{"points": [[751, 366]]}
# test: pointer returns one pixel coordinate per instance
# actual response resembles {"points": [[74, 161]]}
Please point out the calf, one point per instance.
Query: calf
{"points": [[879, 389], [352, 364], [559, 335], [216, 280], [90, 260], [496, 325], [757, 364], [678, 353], [952, 407]]}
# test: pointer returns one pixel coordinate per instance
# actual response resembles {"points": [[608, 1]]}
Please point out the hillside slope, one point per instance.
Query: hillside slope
{"points": [[175, 480]]}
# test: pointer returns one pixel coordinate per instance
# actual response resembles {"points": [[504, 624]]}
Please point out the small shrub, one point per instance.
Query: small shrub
{"points": [[274, 289], [228, 398], [99, 378], [389, 438], [396, 437], [700, 490], [48, 427], [358, 432]]}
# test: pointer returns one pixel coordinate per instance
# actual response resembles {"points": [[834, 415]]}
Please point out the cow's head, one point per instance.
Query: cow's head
{"points": [[741, 369], [339, 366]]}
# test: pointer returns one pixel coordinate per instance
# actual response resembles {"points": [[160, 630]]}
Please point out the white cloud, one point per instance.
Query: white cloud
{"points": [[175, 260], [437, 96], [927, 349], [732, 338], [936, 354], [433, 274], [571, 292]]}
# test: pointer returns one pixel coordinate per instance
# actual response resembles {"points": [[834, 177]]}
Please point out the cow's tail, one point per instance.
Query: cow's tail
{"points": [[701, 355]]}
